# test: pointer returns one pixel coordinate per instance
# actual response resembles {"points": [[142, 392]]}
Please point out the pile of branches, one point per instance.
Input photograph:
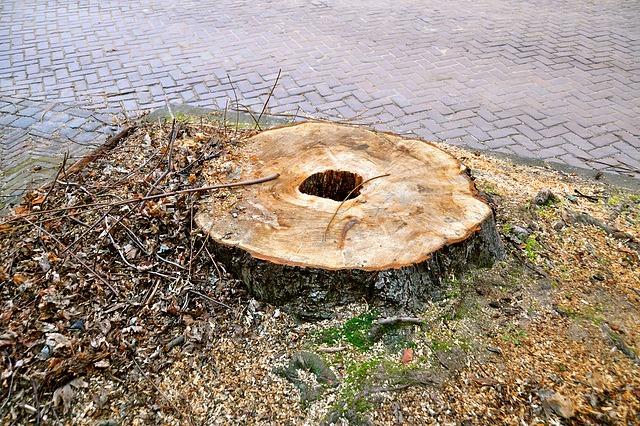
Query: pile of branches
{"points": [[104, 266]]}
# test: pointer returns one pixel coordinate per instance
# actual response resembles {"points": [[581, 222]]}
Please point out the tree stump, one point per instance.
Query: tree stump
{"points": [[354, 215]]}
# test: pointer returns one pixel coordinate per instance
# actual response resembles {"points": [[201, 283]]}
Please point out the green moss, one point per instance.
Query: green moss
{"points": [[355, 331], [362, 333], [613, 200], [438, 344], [531, 246]]}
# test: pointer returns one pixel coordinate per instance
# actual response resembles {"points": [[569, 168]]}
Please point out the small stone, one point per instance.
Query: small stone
{"points": [[522, 233], [78, 325], [559, 225]]}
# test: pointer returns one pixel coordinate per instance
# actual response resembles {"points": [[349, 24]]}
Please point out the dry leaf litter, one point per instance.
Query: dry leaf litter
{"points": [[117, 313]]}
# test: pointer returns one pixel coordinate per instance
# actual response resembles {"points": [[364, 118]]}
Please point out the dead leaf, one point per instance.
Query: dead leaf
{"points": [[65, 395], [19, 279], [484, 381], [38, 200], [629, 251], [7, 338], [561, 405], [57, 341], [407, 355]]}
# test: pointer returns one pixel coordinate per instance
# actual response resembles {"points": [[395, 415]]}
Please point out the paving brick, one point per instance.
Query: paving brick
{"points": [[603, 140], [499, 143], [7, 119], [502, 133], [552, 152], [23, 122], [605, 151]]}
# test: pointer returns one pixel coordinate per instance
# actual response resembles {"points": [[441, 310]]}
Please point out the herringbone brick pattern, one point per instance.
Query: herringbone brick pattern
{"points": [[35, 137], [553, 80]]}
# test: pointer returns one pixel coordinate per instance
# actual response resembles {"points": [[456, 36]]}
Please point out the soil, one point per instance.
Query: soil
{"points": [[117, 313]]}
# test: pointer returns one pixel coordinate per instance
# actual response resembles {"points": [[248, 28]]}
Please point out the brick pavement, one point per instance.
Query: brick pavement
{"points": [[556, 80], [35, 138]]}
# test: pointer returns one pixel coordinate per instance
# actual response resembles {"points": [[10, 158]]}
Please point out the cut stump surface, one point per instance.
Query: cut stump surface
{"points": [[411, 216]]}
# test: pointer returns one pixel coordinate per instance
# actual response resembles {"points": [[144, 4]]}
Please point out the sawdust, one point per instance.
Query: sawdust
{"points": [[537, 339]]}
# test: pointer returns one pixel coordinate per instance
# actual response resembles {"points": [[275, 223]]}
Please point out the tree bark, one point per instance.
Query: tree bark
{"points": [[411, 217]]}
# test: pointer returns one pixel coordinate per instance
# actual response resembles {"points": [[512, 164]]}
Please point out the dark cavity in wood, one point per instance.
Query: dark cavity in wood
{"points": [[336, 185]]}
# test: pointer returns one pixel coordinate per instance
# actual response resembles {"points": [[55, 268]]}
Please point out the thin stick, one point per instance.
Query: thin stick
{"points": [[117, 247], [55, 179], [108, 145], [153, 292], [346, 198], [77, 258], [264, 108], [170, 262], [86, 231], [217, 269], [174, 132], [10, 385], [37, 402], [162, 393], [190, 240], [235, 95], [151, 197], [209, 299]]}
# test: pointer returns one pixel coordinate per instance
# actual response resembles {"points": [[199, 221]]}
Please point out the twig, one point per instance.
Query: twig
{"points": [[55, 179], [437, 357], [175, 342], [133, 237], [153, 292], [151, 197], [264, 108], [174, 132], [191, 240], [10, 385], [235, 95], [217, 269], [346, 198], [398, 320], [77, 258], [166, 101], [36, 401], [206, 148], [86, 231], [108, 145], [161, 393], [637, 292], [209, 299], [170, 262], [117, 247], [588, 197]]}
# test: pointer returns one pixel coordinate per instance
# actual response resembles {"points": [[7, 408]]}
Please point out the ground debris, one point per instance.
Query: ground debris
{"points": [[119, 314]]}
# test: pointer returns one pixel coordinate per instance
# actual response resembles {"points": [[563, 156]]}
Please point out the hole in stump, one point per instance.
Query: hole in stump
{"points": [[333, 184]]}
